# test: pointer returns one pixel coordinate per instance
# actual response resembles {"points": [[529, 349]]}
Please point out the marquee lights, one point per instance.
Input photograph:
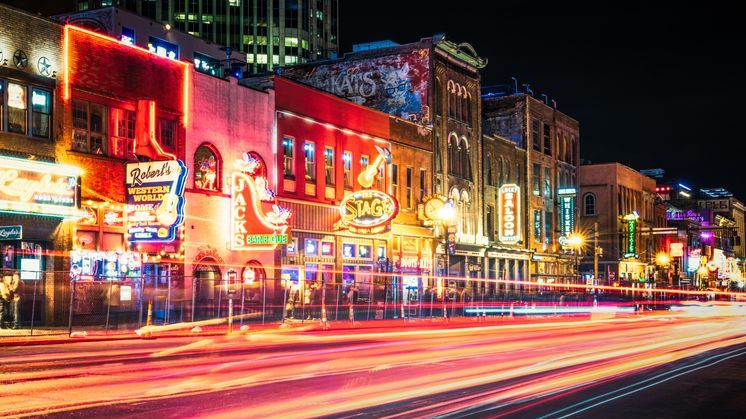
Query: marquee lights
{"points": [[509, 230], [368, 211], [336, 128]]}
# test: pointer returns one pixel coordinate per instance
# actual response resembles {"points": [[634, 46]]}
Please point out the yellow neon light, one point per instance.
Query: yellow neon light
{"points": [[256, 207]]}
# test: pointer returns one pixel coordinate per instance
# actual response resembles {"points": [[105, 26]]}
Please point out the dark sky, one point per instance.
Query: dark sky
{"points": [[652, 85]]}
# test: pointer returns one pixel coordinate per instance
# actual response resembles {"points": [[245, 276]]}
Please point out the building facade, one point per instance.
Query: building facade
{"points": [[39, 193], [551, 141], [433, 83], [269, 32], [622, 202]]}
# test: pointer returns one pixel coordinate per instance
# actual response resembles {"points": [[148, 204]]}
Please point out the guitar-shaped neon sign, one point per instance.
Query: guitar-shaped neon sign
{"points": [[368, 175]]}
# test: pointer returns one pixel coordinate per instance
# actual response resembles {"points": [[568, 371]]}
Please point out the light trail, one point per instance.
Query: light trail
{"points": [[348, 371]]}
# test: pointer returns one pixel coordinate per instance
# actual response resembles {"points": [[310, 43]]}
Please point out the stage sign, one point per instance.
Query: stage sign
{"points": [[368, 211]]}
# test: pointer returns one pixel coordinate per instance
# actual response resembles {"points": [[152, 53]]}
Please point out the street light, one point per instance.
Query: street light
{"points": [[576, 241], [662, 259]]}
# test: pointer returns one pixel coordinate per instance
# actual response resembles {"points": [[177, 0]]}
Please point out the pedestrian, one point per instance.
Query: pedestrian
{"points": [[5, 280], [352, 294], [16, 292]]}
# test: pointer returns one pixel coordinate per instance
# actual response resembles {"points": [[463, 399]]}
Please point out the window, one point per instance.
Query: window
{"points": [[423, 184], [288, 152], [548, 228], [490, 223], [535, 180], [409, 187], [395, 180], [365, 251], [507, 165], [206, 168], [309, 150], [488, 170], [329, 165], [128, 36], [124, 135], [589, 204], [347, 160], [535, 134], [167, 132], [500, 179], [547, 140], [364, 161], [17, 108], [537, 225], [312, 247], [89, 127], [41, 101], [466, 159], [547, 182]]}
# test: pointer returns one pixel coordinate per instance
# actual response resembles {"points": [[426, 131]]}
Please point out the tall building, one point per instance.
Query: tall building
{"points": [[271, 32], [551, 140]]}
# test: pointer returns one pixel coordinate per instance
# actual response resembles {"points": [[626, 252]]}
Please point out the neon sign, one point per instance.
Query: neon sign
{"points": [[155, 200], [631, 235], [257, 222], [509, 228], [567, 213], [30, 187], [368, 211]]}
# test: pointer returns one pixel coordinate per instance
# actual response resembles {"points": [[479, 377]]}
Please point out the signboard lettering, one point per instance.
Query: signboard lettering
{"points": [[155, 200], [509, 230], [38, 188], [368, 211]]}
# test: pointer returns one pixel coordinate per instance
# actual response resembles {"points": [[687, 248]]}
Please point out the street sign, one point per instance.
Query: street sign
{"points": [[232, 283]]}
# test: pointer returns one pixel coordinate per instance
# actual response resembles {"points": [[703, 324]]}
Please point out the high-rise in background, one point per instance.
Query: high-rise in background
{"points": [[270, 32]]}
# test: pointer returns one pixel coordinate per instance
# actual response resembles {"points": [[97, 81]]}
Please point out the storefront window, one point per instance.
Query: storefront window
{"points": [[40, 110], [348, 275], [347, 159], [206, 169], [312, 247], [288, 158], [365, 251], [17, 108], [327, 249], [292, 247], [310, 153], [348, 250], [167, 132], [329, 165]]}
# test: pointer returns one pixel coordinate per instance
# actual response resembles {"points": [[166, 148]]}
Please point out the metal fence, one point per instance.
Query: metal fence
{"points": [[128, 303]]}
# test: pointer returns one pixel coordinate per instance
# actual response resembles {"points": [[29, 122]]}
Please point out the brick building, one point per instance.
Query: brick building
{"points": [[40, 196], [623, 203], [433, 83], [551, 140]]}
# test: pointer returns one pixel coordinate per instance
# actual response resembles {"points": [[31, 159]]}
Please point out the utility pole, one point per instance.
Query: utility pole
{"points": [[595, 250]]}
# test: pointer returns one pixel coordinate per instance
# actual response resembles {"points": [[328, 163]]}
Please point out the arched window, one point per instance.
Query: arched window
{"points": [[207, 168], [488, 170], [465, 159], [589, 204], [468, 109], [490, 223], [453, 154], [466, 212], [451, 89], [500, 172], [507, 166]]}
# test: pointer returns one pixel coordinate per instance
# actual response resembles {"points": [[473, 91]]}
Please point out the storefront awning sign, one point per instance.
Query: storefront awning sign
{"points": [[38, 188]]}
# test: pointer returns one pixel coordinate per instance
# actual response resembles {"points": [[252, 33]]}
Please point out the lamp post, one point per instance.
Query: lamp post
{"points": [[575, 241], [445, 215]]}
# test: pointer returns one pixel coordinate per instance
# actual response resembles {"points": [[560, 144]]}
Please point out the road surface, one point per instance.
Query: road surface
{"points": [[558, 368]]}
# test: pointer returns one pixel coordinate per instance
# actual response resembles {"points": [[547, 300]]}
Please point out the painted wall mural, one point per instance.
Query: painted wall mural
{"points": [[394, 84]]}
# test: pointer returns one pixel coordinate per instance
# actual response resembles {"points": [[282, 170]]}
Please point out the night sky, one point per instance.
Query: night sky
{"points": [[652, 85]]}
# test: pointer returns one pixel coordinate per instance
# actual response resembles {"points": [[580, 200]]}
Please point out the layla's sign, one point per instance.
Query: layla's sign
{"points": [[155, 200], [11, 232], [368, 211], [510, 209], [37, 188], [257, 222]]}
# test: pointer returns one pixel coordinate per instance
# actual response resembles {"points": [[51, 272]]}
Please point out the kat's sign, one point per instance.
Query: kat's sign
{"points": [[37, 188], [368, 211], [155, 200]]}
